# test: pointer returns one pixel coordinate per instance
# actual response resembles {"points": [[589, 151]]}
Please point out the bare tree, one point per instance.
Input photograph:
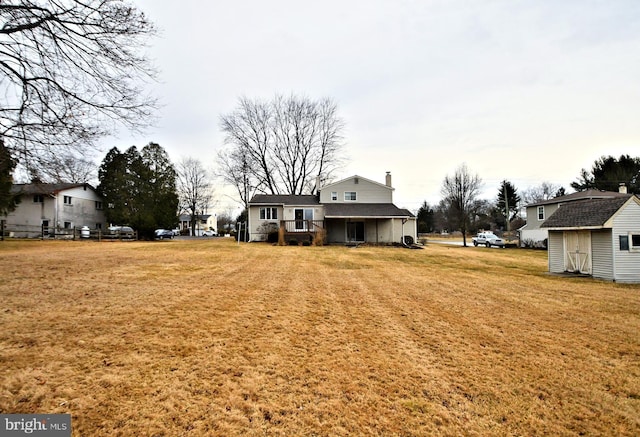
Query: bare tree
{"points": [[281, 146], [70, 71], [194, 189], [67, 168], [544, 191], [460, 192]]}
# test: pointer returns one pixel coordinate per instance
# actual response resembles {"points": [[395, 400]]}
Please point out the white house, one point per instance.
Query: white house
{"points": [[49, 207], [597, 237], [353, 210]]}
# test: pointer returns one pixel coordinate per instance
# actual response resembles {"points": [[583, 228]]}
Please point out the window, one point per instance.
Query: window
{"points": [[67, 200], [334, 195], [349, 195], [38, 198], [634, 240], [268, 213], [541, 213], [98, 205], [98, 225], [67, 225]]}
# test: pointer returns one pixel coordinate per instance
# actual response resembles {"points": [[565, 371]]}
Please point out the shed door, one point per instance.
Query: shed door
{"points": [[577, 257]]}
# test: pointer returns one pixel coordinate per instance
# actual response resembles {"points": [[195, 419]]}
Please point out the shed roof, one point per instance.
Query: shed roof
{"points": [[589, 213], [284, 199], [364, 210]]}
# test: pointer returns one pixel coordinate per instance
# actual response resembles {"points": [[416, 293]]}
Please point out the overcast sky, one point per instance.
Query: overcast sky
{"points": [[527, 91]]}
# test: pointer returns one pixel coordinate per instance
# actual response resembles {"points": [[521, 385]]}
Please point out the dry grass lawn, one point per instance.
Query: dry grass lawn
{"points": [[211, 338]]}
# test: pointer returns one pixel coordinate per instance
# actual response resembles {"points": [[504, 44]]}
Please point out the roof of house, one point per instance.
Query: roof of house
{"points": [[364, 210], [580, 195], [44, 188], [585, 213], [284, 199]]}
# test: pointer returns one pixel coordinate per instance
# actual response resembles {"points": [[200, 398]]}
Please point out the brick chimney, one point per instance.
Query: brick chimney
{"points": [[622, 188], [388, 179]]}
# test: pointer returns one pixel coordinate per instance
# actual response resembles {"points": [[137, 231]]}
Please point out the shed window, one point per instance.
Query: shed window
{"points": [[541, 213], [634, 240]]}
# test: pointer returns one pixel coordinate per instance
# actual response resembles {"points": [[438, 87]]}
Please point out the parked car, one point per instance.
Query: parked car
{"points": [[488, 239], [161, 234], [121, 232], [209, 233]]}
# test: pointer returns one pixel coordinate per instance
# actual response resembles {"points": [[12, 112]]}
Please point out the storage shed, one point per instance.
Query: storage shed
{"points": [[597, 237]]}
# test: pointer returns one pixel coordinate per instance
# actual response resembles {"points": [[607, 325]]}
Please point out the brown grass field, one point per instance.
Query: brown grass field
{"points": [[205, 337]]}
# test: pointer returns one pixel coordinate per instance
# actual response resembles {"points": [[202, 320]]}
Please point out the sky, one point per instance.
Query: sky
{"points": [[524, 91]]}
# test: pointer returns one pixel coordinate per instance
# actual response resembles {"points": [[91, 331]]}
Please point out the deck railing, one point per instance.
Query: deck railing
{"points": [[291, 226]]}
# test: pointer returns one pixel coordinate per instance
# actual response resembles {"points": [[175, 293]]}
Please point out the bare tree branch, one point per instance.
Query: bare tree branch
{"points": [[70, 71]]}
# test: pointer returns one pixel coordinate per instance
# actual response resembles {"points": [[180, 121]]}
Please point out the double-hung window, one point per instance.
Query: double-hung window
{"points": [[541, 213], [268, 213]]}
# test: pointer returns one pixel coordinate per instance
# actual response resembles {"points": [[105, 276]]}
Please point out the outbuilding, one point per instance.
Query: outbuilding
{"points": [[597, 237]]}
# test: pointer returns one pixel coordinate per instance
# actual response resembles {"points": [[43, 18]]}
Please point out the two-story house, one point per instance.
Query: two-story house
{"points": [[353, 210], [533, 234], [56, 206]]}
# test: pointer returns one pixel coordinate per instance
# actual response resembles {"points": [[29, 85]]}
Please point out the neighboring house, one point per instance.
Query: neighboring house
{"points": [[597, 237], [56, 206], [533, 234], [353, 210], [204, 222]]}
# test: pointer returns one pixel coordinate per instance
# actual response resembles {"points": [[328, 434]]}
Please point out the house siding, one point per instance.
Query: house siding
{"points": [[626, 263], [81, 212], [367, 191], [602, 254], [556, 252]]}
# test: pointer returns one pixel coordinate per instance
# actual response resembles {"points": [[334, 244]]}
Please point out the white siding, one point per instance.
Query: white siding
{"points": [[367, 191], [602, 254], [626, 263], [556, 252]]}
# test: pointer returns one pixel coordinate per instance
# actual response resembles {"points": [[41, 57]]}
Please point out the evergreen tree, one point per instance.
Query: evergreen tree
{"points": [[607, 173], [425, 218], [139, 189], [508, 201]]}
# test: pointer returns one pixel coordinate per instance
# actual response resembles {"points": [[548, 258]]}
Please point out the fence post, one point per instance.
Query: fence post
{"points": [[2, 225]]}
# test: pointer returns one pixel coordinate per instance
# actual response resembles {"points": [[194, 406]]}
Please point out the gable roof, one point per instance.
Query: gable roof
{"points": [[357, 177], [580, 195], [284, 199], [589, 213], [364, 210], [45, 188]]}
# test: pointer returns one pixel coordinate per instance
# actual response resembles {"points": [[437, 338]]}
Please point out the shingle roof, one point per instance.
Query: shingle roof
{"points": [[368, 210], [585, 213], [44, 188], [284, 199], [580, 195]]}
